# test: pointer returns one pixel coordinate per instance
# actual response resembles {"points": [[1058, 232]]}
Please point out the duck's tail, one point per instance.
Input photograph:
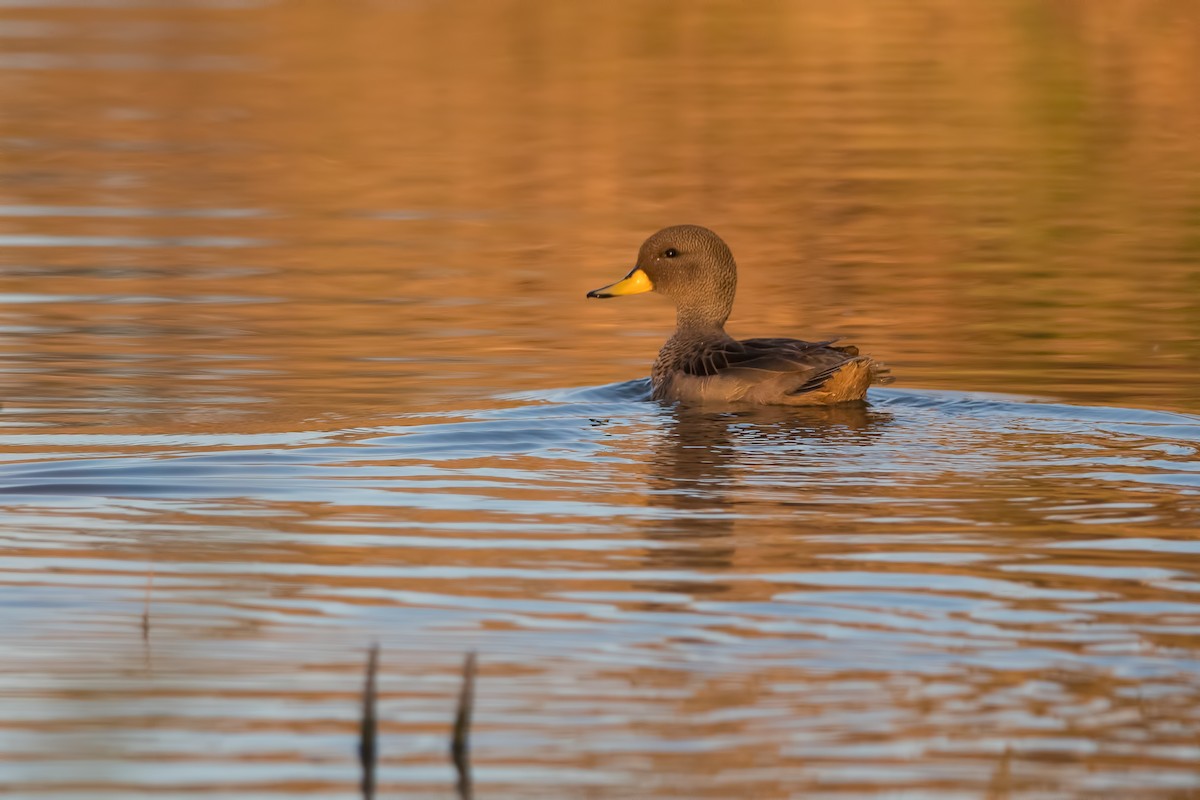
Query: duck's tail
{"points": [[880, 372]]}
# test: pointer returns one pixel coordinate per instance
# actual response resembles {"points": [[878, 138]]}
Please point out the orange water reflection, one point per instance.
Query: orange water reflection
{"points": [[276, 273]]}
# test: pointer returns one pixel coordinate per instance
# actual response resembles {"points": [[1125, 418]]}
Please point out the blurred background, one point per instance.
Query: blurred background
{"points": [[1000, 196], [295, 355]]}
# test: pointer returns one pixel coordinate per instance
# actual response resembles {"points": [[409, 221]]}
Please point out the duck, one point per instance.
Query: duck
{"points": [[701, 364]]}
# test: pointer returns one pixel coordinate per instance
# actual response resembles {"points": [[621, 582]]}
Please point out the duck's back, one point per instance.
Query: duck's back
{"points": [[761, 371]]}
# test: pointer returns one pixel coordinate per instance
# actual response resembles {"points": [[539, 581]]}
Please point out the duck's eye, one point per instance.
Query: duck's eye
{"points": [[670, 252]]}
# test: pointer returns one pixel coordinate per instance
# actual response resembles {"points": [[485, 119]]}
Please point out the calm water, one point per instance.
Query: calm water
{"points": [[296, 357]]}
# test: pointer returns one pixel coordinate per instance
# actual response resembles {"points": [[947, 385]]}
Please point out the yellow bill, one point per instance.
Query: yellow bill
{"points": [[635, 282]]}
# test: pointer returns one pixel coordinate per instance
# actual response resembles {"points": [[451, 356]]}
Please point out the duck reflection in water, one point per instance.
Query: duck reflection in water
{"points": [[707, 460]]}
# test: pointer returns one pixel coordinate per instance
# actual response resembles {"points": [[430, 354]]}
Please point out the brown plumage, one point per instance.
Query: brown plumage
{"points": [[701, 363]]}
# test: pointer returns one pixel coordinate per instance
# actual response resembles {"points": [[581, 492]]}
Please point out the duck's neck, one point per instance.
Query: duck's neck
{"points": [[700, 323]]}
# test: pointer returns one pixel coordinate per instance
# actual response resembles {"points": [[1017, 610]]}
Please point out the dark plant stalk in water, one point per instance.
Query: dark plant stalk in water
{"points": [[146, 606], [368, 728], [459, 743]]}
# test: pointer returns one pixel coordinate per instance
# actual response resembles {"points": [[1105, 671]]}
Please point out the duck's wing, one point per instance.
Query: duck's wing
{"points": [[799, 345], [879, 372], [806, 365]]}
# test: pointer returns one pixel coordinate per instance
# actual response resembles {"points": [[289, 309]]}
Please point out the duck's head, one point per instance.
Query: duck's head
{"points": [[690, 265]]}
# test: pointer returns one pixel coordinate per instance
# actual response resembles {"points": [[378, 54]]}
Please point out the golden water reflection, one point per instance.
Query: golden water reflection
{"points": [[296, 356]]}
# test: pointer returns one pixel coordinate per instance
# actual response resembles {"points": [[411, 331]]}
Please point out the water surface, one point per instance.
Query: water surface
{"points": [[296, 357]]}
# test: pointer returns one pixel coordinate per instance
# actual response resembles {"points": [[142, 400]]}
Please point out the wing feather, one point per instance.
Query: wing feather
{"points": [[812, 363]]}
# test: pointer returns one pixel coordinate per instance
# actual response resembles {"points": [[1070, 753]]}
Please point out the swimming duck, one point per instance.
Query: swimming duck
{"points": [[701, 363]]}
